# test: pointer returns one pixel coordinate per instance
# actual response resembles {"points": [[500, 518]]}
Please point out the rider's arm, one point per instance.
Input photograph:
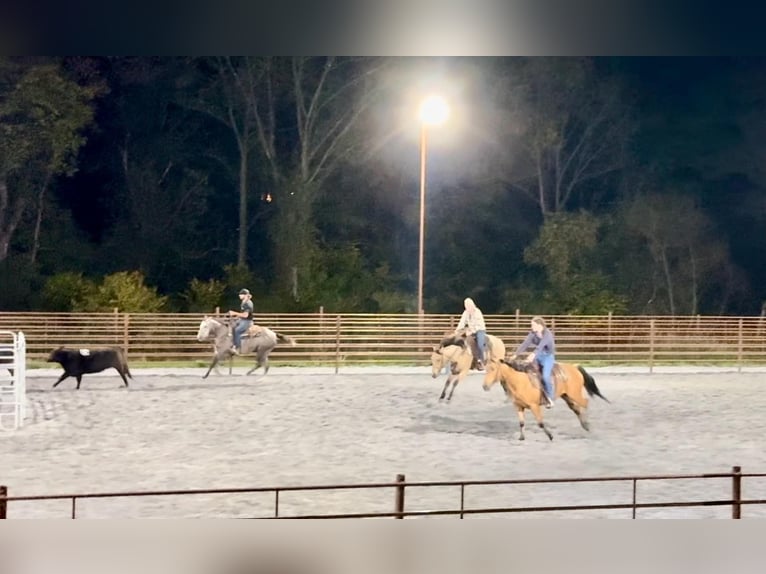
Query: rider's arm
{"points": [[463, 321], [527, 342]]}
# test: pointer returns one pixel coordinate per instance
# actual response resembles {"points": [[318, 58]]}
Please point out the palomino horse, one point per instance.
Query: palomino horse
{"points": [[459, 358], [569, 382], [261, 342]]}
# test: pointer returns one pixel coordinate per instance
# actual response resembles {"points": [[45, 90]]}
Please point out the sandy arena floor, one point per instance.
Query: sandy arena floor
{"points": [[172, 430]]}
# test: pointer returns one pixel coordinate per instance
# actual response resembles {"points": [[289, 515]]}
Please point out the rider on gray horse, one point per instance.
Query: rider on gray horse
{"points": [[245, 319]]}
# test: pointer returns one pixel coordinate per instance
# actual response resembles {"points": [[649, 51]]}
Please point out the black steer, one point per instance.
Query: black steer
{"points": [[77, 362]]}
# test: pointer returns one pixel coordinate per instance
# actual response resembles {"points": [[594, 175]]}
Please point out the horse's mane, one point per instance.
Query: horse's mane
{"points": [[453, 340], [518, 364]]}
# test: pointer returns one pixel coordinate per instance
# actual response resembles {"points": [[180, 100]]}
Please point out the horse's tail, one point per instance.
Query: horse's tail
{"points": [[285, 339], [590, 384]]}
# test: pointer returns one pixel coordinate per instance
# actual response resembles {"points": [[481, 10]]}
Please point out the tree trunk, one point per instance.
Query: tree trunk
{"points": [[293, 234], [693, 264], [242, 247], [39, 219], [10, 217], [668, 280]]}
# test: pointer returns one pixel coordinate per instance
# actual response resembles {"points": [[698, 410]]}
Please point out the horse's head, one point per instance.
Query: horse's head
{"points": [[491, 374], [206, 328], [437, 362]]}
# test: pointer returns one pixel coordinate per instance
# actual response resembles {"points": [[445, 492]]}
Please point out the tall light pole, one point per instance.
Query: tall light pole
{"points": [[433, 111]]}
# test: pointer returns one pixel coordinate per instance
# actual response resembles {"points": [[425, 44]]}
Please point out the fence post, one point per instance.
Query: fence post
{"points": [[126, 332], [740, 344], [651, 345], [399, 502], [3, 503], [736, 492], [337, 343], [609, 332]]}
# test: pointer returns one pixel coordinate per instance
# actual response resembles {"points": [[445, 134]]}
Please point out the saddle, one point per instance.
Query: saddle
{"points": [[462, 340], [535, 374]]}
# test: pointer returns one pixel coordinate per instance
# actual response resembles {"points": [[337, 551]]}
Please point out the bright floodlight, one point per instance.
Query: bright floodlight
{"points": [[434, 110]]}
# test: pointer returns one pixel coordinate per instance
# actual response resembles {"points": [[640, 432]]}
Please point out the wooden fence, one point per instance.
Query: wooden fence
{"points": [[344, 339]]}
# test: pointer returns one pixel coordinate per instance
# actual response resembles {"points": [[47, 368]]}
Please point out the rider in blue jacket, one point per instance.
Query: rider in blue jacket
{"points": [[544, 353]]}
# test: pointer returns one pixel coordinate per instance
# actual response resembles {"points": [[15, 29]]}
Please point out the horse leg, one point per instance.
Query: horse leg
{"points": [[261, 359], [535, 408], [210, 368], [444, 390], [258, 363], [452, 390], [79, 380], [578, 410], [217, 372], [455, 382], [265, 363], [520, 413]]}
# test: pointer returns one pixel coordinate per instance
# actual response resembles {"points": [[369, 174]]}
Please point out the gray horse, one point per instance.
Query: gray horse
{"points": [[214, 331]]}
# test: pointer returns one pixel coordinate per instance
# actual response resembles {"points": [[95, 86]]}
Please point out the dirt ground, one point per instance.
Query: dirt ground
{"points": [[173, 430]]}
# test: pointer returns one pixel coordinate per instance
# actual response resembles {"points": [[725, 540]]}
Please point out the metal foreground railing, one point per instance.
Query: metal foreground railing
{"points": [[400, 487]]}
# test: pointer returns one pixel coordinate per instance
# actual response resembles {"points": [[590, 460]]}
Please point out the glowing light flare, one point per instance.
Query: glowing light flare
{"points": [[433, 110]]}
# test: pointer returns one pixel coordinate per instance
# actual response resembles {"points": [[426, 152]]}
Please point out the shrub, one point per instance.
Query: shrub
{"points": [[68, 292], [126, 291], [204, 296]]}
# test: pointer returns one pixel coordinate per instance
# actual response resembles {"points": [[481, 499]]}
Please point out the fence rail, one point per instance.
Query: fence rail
{"points": [[335, 340], [400, 487]]}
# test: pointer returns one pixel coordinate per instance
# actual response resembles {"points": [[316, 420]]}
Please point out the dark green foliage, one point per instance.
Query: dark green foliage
{"points": [[124, 290], [68, 292]]}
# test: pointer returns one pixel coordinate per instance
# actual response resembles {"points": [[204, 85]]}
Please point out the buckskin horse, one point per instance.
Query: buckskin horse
{"points": [[523, 383], [495, 346], [258, 340], [459, 358]]}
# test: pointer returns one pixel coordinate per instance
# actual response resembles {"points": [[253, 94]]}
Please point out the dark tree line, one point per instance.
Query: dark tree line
{"points": [[566, 186]]}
